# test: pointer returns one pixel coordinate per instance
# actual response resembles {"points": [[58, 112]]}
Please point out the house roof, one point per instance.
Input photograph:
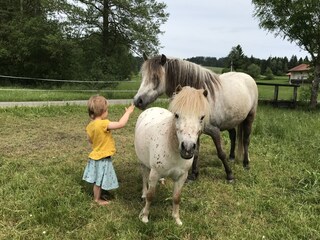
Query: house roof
{"points": [[300, 68]]}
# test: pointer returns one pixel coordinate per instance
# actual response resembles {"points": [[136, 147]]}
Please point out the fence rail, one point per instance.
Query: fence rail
{"points": [[280, 103]]}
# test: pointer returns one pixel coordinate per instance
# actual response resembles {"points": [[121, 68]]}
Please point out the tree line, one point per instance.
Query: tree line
{"points": [[238, 61]]}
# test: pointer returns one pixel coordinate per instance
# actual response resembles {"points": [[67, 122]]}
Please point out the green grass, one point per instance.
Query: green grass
{"points": [[217, 70], [43, 152]]}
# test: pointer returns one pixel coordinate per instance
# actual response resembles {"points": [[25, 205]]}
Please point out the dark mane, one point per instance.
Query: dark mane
{"points": [[189, 74]]}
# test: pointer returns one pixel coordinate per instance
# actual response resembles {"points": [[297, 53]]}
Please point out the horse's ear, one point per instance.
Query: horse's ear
{"points": [[163, 59], [178, 88], [145, 57], [205, 92]]}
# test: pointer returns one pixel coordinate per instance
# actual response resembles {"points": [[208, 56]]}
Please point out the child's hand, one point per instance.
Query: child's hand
{"points": [[130, 109]]}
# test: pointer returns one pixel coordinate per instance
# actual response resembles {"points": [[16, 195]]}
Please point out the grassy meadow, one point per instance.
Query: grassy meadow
{"points": [[43, 152]]}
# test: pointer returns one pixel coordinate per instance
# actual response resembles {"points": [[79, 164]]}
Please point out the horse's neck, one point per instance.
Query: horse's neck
{"points": [[184, 73]]}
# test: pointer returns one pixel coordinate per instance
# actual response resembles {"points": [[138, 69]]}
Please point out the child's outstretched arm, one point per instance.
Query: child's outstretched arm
{"points": [[123, 120]]}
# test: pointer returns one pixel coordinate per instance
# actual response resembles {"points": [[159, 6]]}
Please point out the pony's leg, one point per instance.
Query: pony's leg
{"points": [[232, 136], [247, 127], [145, 176], [177, 197], [215, 134], [153, 180], [193, 175]]}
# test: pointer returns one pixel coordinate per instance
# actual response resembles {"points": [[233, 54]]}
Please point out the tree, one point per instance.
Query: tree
{"points": [[299, 22], [236, 58], [124, 27], [254, 70], [133, 23], [269, 74]]}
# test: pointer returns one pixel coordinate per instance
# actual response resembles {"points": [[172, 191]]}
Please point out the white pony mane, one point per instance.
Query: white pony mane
{"points": [[190, 102]]}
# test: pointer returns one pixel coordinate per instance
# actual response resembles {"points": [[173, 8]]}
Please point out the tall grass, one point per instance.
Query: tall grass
{"points": [[43, 152]]}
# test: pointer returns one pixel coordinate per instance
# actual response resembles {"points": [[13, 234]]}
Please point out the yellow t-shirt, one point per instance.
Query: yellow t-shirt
{"points": [[103, 144]]}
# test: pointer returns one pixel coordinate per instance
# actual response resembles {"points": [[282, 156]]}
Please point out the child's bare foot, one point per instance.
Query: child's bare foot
{"points": [[102, 202]]}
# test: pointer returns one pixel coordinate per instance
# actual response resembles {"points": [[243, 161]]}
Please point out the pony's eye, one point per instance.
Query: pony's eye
{"points": [[176, 115], [202, 117]]}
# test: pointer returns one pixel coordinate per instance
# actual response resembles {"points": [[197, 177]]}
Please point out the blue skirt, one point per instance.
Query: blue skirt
{"points": [[101, 173]]}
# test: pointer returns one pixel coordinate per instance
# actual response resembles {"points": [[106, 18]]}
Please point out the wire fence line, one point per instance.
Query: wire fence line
{"points": [[111, 89], [59, 90], [65, 80]]}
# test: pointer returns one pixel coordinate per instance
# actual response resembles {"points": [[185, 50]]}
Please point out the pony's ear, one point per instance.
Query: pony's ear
{"points": [[145, 57], [205, 92], [163, 59], [178, 88]]}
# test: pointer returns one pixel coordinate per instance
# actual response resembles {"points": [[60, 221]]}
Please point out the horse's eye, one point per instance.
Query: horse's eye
{"points": [[176, 115], [202, 117]]}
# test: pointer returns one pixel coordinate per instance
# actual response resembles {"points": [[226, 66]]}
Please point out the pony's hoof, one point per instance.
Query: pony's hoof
{"points": [[178, 222], [232, 159], [145, 219]]}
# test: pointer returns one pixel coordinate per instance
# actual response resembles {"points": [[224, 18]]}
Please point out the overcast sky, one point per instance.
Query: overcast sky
{"points": [[212, 27]]}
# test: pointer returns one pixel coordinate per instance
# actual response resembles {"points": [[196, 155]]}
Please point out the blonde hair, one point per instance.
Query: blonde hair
{"points": [[97, 105]]}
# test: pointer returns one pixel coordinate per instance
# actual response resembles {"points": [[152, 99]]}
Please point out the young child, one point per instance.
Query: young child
{"points": [[99, 169]]}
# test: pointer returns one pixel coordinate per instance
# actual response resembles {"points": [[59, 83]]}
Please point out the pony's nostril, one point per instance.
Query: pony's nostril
{"points": [[182, 146], [188, 147]]}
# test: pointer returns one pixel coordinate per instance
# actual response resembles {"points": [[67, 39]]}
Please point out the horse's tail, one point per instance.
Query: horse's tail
{"points": [[240, 148]]}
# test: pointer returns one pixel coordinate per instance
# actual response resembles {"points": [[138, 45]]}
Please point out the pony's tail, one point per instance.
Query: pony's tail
{"points": [[240, 149]]}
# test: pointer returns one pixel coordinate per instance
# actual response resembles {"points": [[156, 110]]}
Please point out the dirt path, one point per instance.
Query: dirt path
{"points": [[59, 103]]}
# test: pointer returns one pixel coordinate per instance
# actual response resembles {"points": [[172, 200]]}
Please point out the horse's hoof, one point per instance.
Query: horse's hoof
{"points": [[232, 159], [230, 181], [246, 167], [192, 177], [188, 181], [230, 178]]}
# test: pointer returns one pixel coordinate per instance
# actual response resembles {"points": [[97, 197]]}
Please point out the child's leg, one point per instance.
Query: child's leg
{"points": [[97, 195]]}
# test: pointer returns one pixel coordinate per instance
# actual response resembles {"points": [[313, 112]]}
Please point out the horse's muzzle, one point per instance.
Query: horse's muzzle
{"points": [[138, 102], [187, 150]]}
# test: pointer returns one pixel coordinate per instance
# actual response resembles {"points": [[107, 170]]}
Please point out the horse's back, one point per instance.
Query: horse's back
{"points": [[239, 87], [238, 96]]}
